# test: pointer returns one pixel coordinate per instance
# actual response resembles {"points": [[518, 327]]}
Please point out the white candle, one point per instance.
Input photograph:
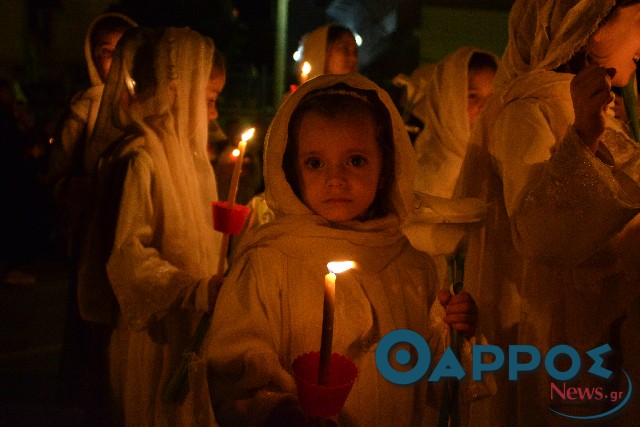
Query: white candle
{"points": [[326, 342], [328, 310], [237, 167]]}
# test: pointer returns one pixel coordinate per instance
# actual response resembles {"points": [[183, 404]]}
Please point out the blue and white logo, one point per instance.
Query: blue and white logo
{"points": [[449, 367]]}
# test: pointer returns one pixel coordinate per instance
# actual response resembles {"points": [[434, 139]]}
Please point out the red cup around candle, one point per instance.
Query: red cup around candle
{"points": [[227, 220], [323, 401]]}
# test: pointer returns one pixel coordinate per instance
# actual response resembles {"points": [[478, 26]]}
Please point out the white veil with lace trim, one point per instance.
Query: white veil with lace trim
{"points": [[154, 100], [168, 109]]}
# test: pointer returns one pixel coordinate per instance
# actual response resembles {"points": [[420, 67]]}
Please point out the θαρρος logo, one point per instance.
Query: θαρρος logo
{"points": [[449, 367]]}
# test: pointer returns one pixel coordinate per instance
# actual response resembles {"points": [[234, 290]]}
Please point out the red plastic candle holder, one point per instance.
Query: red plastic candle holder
{"points": [[229, 220], [323, 401]]}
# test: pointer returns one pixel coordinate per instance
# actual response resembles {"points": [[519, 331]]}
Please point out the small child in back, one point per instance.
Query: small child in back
{"points": [[339, 177], [329, 49], [448, 98]]}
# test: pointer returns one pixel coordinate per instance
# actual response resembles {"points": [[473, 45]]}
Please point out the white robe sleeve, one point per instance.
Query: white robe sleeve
{"points": [[564, 203], [146, 285], [247, 379]]}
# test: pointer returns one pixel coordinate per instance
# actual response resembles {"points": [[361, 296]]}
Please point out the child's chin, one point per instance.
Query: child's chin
{"points": [[622, 78], [339, 218], [339, 212], [334, 216], [344, 218]]}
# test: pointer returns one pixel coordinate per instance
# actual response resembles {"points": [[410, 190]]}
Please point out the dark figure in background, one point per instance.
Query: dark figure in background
{"points": [[14, 192], [83, 378]]}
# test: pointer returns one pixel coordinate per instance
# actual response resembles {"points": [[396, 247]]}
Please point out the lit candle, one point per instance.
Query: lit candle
{"points": [[328, 309], [306, 69], [237, 167]]}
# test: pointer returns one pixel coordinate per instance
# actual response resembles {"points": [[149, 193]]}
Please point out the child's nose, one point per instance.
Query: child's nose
{"points": [[335, 176]]}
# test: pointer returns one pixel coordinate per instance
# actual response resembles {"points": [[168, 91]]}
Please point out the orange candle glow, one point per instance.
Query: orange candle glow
{"points": [[306, 69]]}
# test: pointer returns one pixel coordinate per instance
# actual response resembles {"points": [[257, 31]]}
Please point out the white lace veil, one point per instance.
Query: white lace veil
{"points": [[544, 34], [156, 91]]}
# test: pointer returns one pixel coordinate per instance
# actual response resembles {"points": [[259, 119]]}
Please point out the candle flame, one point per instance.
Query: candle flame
{"points": [[340, 266], [306, 68], [248, 134], [235, 152]]}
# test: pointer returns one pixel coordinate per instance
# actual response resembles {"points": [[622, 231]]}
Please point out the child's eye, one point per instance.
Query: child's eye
{"points": [[106, 53], [357, 161], [313, 163], [348, 51]]}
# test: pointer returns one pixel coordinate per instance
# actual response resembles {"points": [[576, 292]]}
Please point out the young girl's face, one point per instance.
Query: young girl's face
{"points": [[214, 87], [103, 51], [617, 44], [342, 55], [338, 164], [478, 91]]}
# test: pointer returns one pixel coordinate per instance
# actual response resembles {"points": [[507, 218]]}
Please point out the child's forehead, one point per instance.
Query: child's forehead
{"points": [[336, 122], [104, 37], [344, 133], [339, 151], [344, 39]]}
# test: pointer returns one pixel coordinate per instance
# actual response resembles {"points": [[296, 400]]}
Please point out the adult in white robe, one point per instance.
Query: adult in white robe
{"points": [[556, 262]]}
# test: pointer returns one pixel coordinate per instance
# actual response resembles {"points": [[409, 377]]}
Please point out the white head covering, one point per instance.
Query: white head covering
{"points": [[442, 108], [178, 62], [281, 198], [94, 75], [444, 84], [543, 35], [294, 218], [314, 50], [85, 106], [154, 100]]}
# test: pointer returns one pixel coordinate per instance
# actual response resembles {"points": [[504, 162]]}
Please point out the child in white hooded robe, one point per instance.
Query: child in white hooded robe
{"points": [[446, 98], [328, 49], [150, 260], [270, 307]]}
